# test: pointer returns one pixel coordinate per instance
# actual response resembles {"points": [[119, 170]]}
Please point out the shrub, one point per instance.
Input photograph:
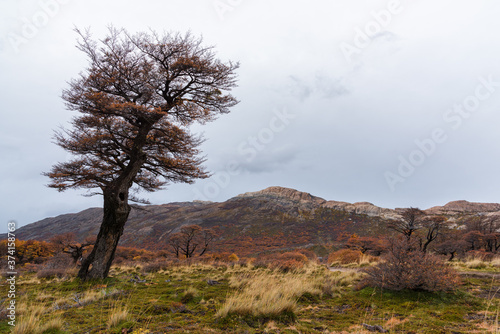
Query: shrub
{"points": [[59, 261], [154, 267], [344, 256], [225, 257], [311, 256], [117, 315], [51, 273], [233, 258], [406, 267], [290, 261], [479, 255], [189, 295]]}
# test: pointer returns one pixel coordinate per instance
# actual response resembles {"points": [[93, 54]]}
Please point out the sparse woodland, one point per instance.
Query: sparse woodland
{"points": [[424, 274], [313, 269]]}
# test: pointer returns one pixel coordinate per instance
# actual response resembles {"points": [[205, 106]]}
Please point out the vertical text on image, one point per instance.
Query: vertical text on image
{"points": [[11, 273]]}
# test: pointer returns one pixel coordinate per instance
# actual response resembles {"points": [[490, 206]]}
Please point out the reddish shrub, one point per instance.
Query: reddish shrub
{"points": [[156, 266], [480, 255], [344, 256], [290, 261], [311, 256], [225, 257], [406, 267], [52, 273]]}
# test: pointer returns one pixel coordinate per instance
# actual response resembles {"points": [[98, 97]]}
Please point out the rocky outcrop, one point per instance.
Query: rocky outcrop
{"points": [[280, 193], [363, 208], [457, 207]]}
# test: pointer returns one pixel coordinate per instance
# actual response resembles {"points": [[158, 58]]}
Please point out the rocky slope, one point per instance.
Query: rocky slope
{"points": [[457, 207]]}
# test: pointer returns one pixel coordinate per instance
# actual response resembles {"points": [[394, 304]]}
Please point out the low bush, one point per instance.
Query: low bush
{"points": [[406, 267], [344, 256], [478, 255], [225, 257], [154, 267], [52, 273], [290, 261]]}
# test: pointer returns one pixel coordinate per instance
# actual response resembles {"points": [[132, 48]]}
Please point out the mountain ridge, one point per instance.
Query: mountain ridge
{"points": [[272, 218]]}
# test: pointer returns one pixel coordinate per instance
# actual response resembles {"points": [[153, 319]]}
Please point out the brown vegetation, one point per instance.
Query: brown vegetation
{"points": [[406, 266], [191, 240], [136, 100]]}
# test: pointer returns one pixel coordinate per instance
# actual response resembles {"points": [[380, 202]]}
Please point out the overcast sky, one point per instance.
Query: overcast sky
{"points": [[391, 102]]}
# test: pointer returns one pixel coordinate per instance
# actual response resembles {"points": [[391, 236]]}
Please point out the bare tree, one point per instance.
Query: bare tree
{"points": [[409, 222], [189, 239], [433, 226], [66, 243], [474, 240], [136, 100], [451, 247], [207, 236], [492, 241]]}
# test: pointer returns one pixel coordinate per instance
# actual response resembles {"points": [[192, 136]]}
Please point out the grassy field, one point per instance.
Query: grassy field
{"points": [[219, 298]]}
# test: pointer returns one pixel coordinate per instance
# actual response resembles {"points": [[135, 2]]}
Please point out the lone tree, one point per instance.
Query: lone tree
{"points": [[409, 222], [66, 243], [189, 239], [433, 228], [136, 100]]}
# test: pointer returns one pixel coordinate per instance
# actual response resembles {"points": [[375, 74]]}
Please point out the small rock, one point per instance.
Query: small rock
{"points": [[375, 328]]}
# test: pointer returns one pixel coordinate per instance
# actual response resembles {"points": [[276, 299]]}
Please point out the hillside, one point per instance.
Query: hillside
{"points": [[270, 219], [274, 218]]}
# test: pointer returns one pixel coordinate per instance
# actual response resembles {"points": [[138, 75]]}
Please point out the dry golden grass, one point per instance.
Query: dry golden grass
{"points": [[29, 321], [44, 297], [90, 297], [333, 282], [265, 294], [271, 293], [27, 324], [393, 322], [117, 315], [29, 281], [53, 324], [477, 262]]}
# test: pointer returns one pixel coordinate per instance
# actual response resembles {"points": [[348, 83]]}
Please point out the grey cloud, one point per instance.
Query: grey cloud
{"points": [[319, 86], [269, 161], [385, 35]]}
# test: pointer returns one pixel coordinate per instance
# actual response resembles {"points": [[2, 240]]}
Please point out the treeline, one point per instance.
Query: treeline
{"points": [[65, 249], [190, 241], [451, 237]]}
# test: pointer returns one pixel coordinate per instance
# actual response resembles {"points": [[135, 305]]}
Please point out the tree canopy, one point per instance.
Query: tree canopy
{"points": [[136, 100]]}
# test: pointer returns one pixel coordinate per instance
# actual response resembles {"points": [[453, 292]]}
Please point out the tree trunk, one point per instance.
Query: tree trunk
{"points": [[116, 211]]}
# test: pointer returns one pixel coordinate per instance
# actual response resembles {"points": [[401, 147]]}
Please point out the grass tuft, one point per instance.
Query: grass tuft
{"points": [[117, 315]]}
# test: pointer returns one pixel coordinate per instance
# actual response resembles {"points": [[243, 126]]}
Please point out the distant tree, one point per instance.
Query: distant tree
{"points": [[136, 100], [409, 222], [374, 246], [433, 227], [66, 243], [492, 241], [207, 236], [32, 251], [190, 239], [451, 248], [474, 240], [483, 224]]}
